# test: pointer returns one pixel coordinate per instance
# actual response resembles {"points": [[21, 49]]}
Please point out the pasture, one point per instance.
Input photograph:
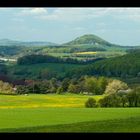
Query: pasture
{"points": [[63, 113]]}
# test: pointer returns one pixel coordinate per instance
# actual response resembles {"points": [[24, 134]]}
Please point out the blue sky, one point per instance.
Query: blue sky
{"points": [[59, 25]]}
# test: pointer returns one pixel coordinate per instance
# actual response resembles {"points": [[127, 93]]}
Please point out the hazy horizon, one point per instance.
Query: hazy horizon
{"points": [[60, 25]]}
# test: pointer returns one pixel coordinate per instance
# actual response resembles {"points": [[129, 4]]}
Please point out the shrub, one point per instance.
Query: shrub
{"points": [[90, 103], [111, 100], [124, 101], [59, 90], [6, 88], [134, 98]]}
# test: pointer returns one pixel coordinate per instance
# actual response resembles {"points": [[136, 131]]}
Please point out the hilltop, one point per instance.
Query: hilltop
{"points": [[89, 39]]}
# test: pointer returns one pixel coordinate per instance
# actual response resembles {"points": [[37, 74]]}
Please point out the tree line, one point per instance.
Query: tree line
{"points": [[83, 85], [38, 58], [131, 99]]}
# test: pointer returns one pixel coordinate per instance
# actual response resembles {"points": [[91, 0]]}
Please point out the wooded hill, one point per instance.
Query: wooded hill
{"points": [[123, 66]]}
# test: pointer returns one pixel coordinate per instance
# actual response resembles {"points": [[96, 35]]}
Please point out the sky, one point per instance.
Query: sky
{"points": [[59, 25]]}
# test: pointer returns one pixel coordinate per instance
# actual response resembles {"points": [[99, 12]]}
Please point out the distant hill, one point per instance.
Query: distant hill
{"points": [[91, 42], [8, 42], [89, 39], [85, 43], [11, 48]]}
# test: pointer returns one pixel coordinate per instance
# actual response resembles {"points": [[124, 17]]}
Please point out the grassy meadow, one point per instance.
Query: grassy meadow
{"points": [[63, 113], [44, 101]]}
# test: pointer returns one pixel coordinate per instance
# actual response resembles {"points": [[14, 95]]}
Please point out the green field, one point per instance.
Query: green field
{"points": [[84, 54], [63, 113]]}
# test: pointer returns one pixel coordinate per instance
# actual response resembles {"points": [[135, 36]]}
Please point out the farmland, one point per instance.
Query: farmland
{"points": [[69, 70], [44, 101], [63, 113]]}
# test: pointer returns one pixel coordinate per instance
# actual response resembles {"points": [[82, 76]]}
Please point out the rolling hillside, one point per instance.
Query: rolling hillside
{"points": [[85, 43], [126, 67], [84, 47], [11, 48]]}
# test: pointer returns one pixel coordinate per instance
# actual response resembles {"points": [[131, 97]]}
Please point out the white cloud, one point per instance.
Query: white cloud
{"points": [[74, 14], [32, 11], [79, 14], [132, 14]]}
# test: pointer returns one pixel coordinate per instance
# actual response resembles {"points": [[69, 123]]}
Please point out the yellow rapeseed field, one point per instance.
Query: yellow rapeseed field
{"points": [[44, 101], [86, 53]]}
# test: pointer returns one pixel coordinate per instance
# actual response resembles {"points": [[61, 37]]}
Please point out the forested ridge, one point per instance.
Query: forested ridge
{"points": [[123, 66]]}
